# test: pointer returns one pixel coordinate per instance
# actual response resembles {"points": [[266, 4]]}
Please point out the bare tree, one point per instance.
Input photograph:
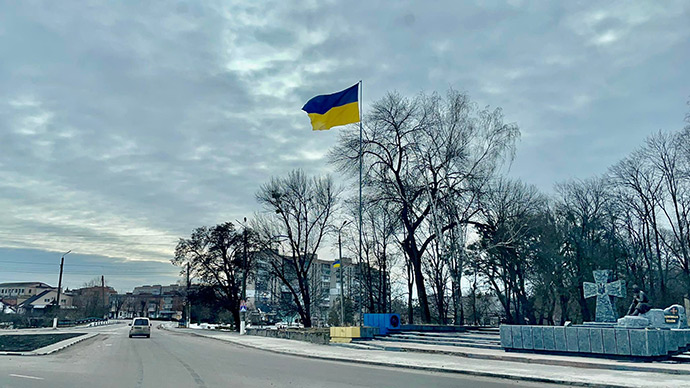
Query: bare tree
{"points": [[420, 153], [299, 212], [220, 257], [507, 225]]}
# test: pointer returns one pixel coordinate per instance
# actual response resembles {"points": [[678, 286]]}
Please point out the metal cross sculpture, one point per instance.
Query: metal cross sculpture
{"points": [[604, 289]]}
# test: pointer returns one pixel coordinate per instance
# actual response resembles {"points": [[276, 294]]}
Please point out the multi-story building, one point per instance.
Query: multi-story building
{"points": [[267, 293], [22, 290], [32, 296], [153, 301], [93, 301]]}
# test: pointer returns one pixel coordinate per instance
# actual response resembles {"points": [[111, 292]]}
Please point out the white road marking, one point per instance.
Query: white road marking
{"points": [[108, 344], [28, 377]]}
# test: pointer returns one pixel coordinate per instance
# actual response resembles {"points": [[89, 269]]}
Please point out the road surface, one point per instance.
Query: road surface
{"points": [[173, 359]]}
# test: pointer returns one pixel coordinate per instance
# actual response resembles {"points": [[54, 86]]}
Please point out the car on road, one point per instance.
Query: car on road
{"points": [[140, 326]]}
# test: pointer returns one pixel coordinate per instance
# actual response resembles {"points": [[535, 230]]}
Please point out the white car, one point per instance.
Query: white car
{"points": [[140, 326]]}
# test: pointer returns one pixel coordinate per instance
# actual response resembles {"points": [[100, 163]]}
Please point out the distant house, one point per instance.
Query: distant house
{"points": [[7, 308], [22, 290], [154, 301], [38, 303]]}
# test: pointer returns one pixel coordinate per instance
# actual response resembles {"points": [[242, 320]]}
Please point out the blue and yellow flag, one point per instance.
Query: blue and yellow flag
{"points": [[331, 110], [336, 264]]}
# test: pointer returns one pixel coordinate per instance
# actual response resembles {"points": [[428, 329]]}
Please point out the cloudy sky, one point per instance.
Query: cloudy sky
{"points": [[124, 125]]}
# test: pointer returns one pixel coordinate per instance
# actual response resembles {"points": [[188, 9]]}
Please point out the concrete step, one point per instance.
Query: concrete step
{"points": [[356, 345], [460, 341], [444, 336], [467, 344]]}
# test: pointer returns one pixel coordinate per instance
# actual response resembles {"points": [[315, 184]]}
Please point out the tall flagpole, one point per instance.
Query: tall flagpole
{"points": [[361, 157]]}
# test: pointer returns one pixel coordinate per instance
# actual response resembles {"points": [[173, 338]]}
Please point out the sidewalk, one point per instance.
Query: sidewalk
{"points": [[536, 358], [634, 375]]}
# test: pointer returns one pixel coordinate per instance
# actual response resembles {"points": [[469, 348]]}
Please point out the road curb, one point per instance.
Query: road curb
{"points": [[566, 363], [53, 348], [506, 376]]}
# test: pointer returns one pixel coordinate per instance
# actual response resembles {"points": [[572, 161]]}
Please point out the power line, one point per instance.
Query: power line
{"points": [[134, 272], [77, 265]]}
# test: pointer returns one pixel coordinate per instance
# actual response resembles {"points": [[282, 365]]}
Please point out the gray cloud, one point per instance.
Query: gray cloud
{"points": [[125, 125]]}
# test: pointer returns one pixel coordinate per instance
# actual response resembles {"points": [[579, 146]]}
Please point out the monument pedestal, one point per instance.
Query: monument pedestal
{"points": [[592, 340]]}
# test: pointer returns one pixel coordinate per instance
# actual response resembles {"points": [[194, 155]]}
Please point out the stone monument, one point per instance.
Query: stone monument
{"points": [[605, 290], [656, 334], [672, 317]]}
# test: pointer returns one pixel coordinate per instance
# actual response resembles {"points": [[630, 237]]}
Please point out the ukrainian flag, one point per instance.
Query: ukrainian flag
{"points": [[331, 110], [336, 264]]}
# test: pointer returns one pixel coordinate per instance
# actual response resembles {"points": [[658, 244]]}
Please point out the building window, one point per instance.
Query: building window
{"points": [[46, 300]]}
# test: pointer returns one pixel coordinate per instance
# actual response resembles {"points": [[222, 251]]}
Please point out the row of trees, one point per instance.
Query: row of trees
{"points": [[440, 219]]}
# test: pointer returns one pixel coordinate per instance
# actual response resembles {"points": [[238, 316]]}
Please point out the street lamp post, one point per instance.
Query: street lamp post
{"points": [[243, 291], [62, 263], [340, 270]]}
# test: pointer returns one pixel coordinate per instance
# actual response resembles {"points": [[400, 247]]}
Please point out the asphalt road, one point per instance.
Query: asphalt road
{"points": [[171, 359]]}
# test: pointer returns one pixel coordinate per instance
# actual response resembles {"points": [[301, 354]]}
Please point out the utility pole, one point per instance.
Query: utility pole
{"points": [[103, 293], [62, 263], [244, 264], [189, 304], [243, 297]]}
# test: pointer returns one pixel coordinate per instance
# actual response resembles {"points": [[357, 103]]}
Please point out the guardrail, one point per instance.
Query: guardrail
{"points": [[84, 321]]}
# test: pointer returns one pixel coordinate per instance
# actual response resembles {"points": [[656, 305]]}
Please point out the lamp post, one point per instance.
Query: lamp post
{"points": [[62, 263], [243, 290], [340, 270]]}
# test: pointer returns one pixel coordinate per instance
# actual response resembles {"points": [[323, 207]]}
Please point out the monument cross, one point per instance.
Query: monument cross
{"points": [[604, 289]]}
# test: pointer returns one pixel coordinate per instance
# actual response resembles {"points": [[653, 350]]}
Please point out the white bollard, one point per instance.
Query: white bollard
{"points": [[242, 328], [55, 323]]}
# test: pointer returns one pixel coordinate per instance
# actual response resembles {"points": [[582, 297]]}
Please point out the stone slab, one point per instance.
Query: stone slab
{"points": [[623, 342], [506, 336], [632, 322], [638, 343], [678, 338], [609, 339], [527, 340], [671, 344], [675, 317], [538, 338], [547, 335], [596, 341], [583, 344], [655, 343], [559, 339], [517, 337], [571, 339]]}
